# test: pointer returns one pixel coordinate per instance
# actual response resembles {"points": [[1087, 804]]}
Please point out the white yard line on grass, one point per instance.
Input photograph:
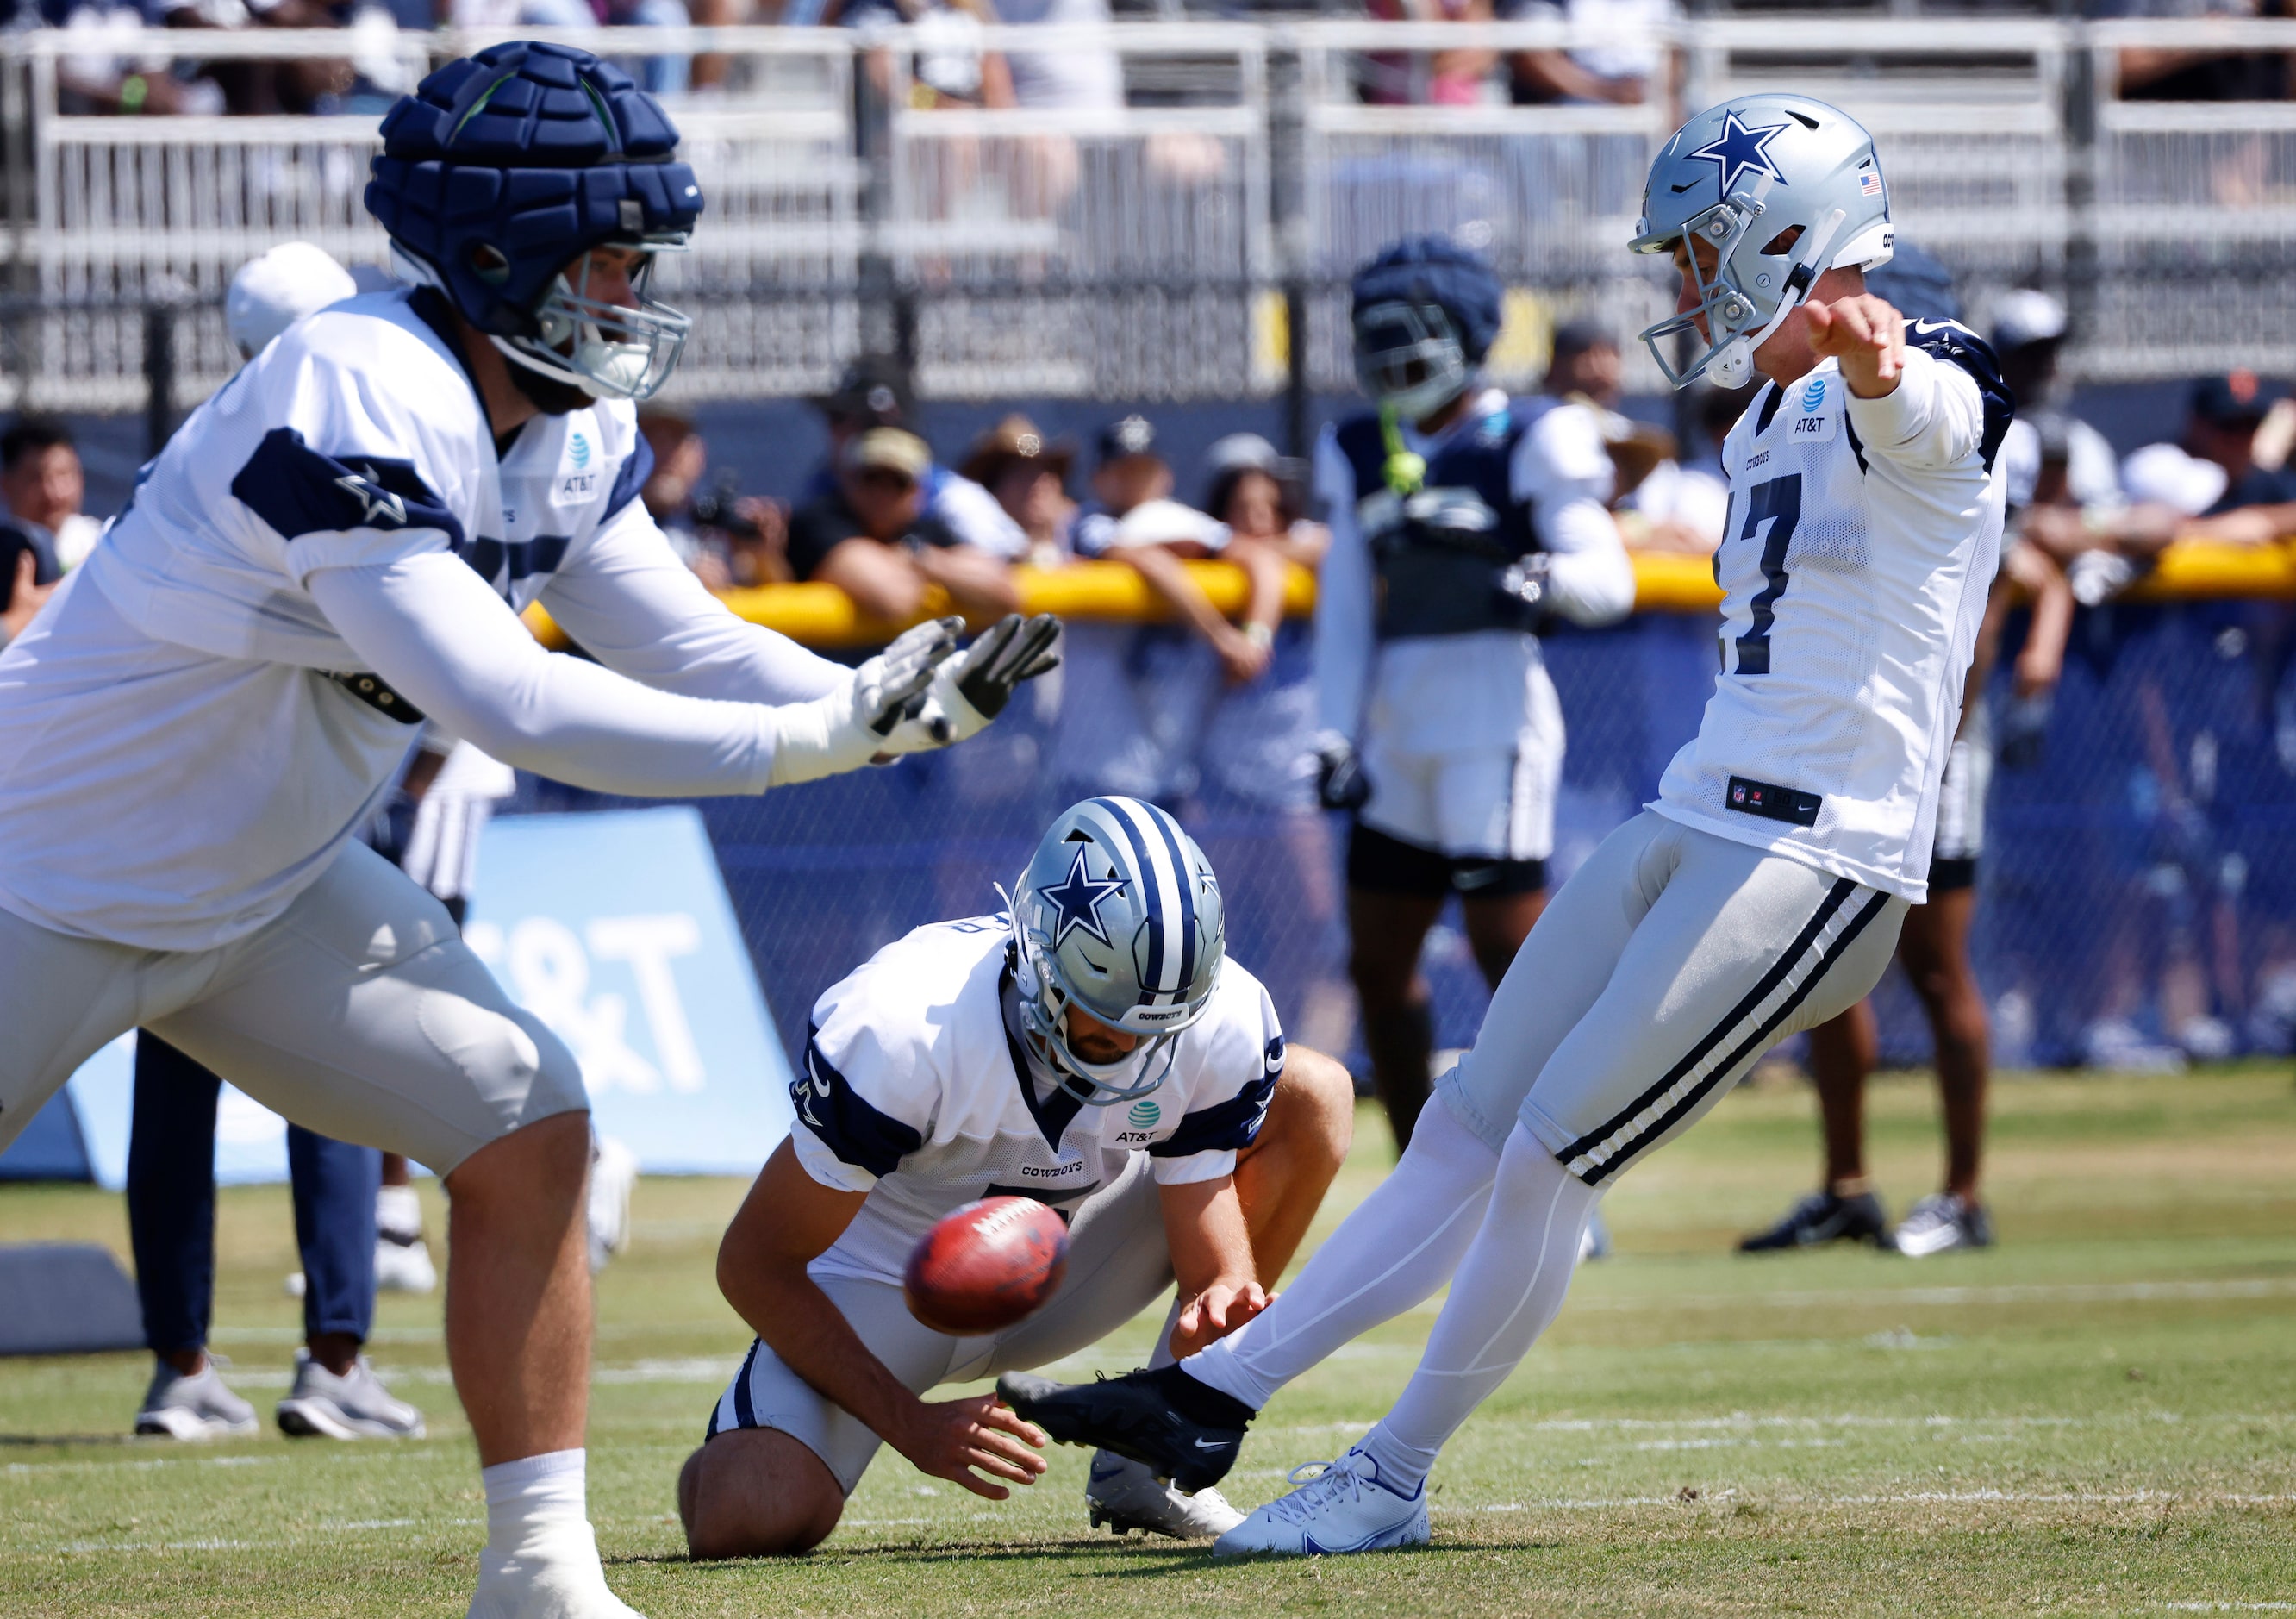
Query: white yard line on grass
{"points": [[2016, 1292]]}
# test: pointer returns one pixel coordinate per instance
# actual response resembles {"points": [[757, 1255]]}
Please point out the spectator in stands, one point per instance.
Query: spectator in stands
{"points": [[43, 482], [948, 67], [1437, 79], [2028, 331], [1620, 67], [728, 538], [1135, 696], [1087, 78], [1029, 476], [659, 74], [874, 392], [2207, 487], [1133, 518], [1585, 368], [874, 537], [1683, 508], [98, 77], [2201, 72]]}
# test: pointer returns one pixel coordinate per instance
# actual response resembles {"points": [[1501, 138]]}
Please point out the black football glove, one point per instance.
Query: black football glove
{"points": [[1341, 783]]}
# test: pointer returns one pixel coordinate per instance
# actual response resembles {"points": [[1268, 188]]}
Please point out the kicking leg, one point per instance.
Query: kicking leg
{"points": [[1739, 950]]}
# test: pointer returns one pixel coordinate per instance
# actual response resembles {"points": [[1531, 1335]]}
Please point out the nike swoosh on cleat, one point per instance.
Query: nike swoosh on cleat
{"points": [[1213, 1444]]}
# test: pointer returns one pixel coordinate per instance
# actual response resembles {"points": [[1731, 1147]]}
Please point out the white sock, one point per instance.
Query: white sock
{"points": [[1400, 1245], [1510, 1285], [541, 1558]]}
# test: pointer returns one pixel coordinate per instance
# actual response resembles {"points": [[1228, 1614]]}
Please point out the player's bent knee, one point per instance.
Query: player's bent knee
{"points": [[1323, 1096], [757, 1492]]}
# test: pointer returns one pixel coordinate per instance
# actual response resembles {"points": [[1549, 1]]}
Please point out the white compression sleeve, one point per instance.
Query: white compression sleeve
{"points": [[1400, 1245], [635, 608], [436, 633], [1508, 1290], [1341, 649]]}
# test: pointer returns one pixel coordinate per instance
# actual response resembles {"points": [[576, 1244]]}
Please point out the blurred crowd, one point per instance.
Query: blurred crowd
{"points": [[1622, 59]]}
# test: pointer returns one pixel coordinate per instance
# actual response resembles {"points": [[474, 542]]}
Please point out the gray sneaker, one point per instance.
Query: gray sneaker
{"points": [[1941, 1222], [353, 1406], [197, 1407]]}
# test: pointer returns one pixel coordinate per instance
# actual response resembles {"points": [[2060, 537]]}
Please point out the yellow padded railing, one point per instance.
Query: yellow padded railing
{"points": [[823, 615]]}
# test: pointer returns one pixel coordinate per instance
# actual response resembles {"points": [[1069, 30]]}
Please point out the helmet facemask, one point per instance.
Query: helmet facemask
{"points": [[1746, 295], [1044, 1002], [607, 350], [1409, 357]]}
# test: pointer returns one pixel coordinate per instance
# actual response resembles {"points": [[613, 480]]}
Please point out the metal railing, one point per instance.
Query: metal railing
{"points": [[1185, 234]]}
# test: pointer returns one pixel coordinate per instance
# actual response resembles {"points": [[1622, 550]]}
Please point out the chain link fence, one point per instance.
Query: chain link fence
{"points": [[2136, 895]]}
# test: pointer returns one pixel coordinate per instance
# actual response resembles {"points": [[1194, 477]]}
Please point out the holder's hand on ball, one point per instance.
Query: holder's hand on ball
{"points": [[959, 1440]]}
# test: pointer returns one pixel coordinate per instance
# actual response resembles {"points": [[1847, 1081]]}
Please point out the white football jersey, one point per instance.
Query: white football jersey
{"points": [[1864, 535], [177, 757], [918, 1089]]}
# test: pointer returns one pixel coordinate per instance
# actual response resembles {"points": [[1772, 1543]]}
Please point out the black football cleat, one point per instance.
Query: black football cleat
{"points": [[1822, 1218], [1186, 1431]]}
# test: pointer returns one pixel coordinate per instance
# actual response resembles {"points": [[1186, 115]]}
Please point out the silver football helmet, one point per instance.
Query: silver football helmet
{"points": [[1118, 913], [1739, 178]]}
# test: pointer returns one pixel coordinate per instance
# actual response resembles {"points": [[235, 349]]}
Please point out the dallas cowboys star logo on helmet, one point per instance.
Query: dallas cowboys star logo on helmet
{"points": [[1740, 149], [1077, 897]]}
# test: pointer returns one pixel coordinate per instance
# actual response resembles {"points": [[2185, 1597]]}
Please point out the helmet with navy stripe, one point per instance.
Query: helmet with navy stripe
{"points": [[1119, 913], [500, 173], [1424, 313], [1781, 188]]}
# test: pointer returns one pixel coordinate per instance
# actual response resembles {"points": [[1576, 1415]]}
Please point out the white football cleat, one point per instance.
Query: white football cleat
{"points": [[197, 1407], [1124, 1495], [353, 1406], [1344, 1508], [555, 1575]]}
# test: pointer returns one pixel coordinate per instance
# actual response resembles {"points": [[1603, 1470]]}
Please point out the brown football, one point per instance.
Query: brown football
{"points": [[986, 1266]]}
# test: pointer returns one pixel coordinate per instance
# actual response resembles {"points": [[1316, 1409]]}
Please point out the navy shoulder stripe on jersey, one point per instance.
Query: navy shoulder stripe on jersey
{"points": [[1229, 1126], [1956, 345], [637, 468], [847, 1123], [297, 492], [1768, 408]]}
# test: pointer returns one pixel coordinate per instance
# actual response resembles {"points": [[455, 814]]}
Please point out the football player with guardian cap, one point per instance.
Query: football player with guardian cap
{"points": [[336, 545], [1093, 1048], [1761, 891], [1463, 523]]}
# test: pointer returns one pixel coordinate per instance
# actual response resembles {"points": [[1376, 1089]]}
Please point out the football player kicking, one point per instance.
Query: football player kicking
{"points": [[1092, 1049], [334, 545], [1761, 893]]}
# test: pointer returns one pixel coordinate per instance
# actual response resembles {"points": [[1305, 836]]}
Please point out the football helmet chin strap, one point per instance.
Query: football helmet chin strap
{"points": [[1733, 366]]}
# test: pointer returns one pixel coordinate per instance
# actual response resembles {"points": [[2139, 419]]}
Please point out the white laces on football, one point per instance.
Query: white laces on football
{"points": [[1320, 1485]]}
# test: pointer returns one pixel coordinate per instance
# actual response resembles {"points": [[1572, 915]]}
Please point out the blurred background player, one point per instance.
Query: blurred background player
{"points": [[172, 1135], [1095, 1049], [1460, 520]]}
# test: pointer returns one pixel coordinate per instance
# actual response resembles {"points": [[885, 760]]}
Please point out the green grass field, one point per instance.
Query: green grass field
{"points": [[2097, 1417]]}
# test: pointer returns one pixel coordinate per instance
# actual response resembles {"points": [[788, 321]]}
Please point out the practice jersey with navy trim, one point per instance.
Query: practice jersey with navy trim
{"points": [[917, 1089], [191, 652], [1863, 537]]}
